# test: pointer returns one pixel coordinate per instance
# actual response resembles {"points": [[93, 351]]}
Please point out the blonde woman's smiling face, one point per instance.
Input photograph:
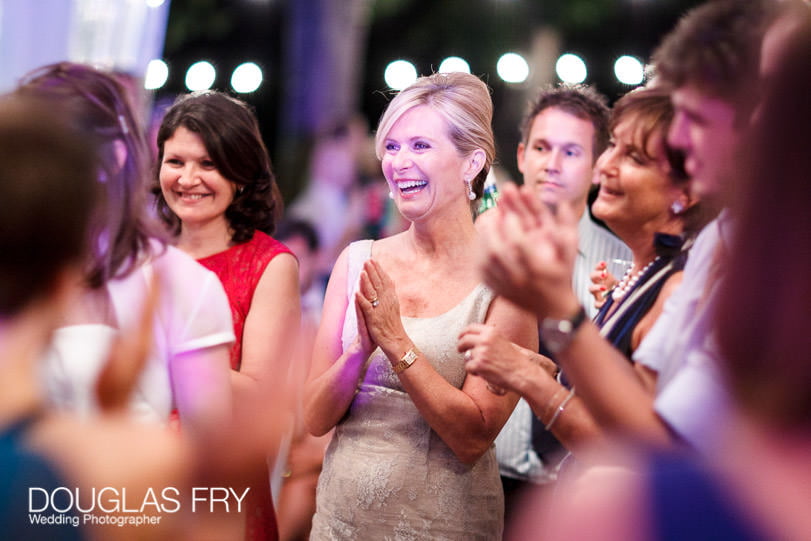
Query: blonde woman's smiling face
{"points": [[421, 164]]}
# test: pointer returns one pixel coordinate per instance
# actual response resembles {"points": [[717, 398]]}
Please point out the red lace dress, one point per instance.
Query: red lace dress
{"points": [[239, 269]]}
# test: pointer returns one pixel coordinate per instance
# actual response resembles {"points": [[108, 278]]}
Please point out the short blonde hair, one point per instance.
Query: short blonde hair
{"points": [[465, 103]]}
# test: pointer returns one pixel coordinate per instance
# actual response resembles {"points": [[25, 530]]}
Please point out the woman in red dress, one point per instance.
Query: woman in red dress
{"points": [[216, 192]]}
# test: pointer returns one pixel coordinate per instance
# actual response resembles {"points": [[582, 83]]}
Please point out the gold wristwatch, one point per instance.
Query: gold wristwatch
{"points": [[405, 361]]}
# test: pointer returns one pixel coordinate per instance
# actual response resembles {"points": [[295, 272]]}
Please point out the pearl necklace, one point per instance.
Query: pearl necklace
{"points": [[628, 282]]}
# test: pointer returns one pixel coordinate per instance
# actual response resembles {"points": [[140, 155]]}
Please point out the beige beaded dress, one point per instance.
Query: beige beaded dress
{"points": [[387, 475]]}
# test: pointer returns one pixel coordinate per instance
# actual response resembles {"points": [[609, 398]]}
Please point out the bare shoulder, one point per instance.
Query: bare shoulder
{"points": [[280, 272], [670, 285], [392, 247]]}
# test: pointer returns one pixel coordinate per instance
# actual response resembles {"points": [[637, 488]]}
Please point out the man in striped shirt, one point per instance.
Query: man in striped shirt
{"points": [[562, 135]]}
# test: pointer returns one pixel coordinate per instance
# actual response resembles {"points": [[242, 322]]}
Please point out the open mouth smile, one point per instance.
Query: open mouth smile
{"points": [[191, 196], [408, 187]]}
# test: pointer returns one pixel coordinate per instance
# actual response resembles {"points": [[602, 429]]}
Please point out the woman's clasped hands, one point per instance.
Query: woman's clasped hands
{"points": [[379, 311]]}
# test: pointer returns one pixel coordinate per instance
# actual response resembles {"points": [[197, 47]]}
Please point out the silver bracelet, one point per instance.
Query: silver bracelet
{"points": [[559, 410]]}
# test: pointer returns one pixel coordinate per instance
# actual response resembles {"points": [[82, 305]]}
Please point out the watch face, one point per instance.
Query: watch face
{"points": [[557, 333], [409, 357], [553, 338]]}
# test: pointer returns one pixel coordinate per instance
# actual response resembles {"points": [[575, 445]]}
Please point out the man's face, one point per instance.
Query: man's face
{"points": [[704, 129], [558, 156]]}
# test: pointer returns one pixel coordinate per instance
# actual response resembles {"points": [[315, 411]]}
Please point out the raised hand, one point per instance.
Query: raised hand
{"points": [[529, 252], [127, 357]]}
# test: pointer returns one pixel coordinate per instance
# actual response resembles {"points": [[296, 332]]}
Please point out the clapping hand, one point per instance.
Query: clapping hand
{"points": [[529, 252], [491, 356]]}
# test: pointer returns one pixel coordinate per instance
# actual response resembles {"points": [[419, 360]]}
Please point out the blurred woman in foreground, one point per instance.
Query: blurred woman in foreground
{"points": [[187, 362]]}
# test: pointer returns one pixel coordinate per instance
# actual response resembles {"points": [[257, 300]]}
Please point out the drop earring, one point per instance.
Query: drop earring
{"points": [[391, 194], [677, 207], [470, 193]]}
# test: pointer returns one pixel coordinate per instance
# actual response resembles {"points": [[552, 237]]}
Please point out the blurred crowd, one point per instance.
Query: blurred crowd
{"points": [[613, 346]]}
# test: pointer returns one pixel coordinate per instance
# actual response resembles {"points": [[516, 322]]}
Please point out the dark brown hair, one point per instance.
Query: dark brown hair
{"points": [[582, 101], [651, 111], [231, 136], [716, 47], [47, 192]]}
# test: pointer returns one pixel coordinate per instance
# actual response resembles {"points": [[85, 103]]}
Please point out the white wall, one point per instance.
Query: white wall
{"points": [[122, 35]]}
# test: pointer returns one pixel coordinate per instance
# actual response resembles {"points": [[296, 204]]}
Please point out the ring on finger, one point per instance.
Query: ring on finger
{"points": [[468, 355], [375, 302]]}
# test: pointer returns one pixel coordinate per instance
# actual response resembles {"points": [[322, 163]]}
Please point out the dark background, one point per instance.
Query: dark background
{"points": [[228, 32]]}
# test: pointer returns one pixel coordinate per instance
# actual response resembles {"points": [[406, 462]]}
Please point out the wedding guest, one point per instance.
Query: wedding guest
{"points": [[216, 193], [563, 133], [187, 365], [48, 164], [412, 453]]}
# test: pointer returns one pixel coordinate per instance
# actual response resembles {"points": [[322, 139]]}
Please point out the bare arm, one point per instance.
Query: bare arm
{"points": [[511, 367], [271, 332], [334, 374], [529, 260]]}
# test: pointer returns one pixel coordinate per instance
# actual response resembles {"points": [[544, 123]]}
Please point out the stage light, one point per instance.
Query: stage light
{"points": [[200, 76], [157, 72], [512, 68], [571, 69], [629, 70], [454, 63], [246, 78], [400, 74]]}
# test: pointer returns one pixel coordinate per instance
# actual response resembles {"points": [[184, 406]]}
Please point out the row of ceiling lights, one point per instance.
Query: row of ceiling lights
{"points": [[511, 68]]}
